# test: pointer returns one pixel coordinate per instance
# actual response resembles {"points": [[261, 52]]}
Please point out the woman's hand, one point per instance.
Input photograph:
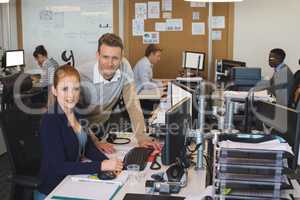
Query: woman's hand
{"points": [[105, 147], [111, 165]]}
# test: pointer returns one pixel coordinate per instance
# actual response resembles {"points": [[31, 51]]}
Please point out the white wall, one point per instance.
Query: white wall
{"points": [[261, 25]]}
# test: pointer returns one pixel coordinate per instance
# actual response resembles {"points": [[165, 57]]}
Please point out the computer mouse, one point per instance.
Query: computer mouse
{"points": [[106, 175]]}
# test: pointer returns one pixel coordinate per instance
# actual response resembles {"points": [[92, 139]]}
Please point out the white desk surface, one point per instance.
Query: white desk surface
{"points": [[195, 186]]}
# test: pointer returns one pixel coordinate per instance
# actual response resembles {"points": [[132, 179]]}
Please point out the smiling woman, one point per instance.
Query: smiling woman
{"points": [[66, 147]]}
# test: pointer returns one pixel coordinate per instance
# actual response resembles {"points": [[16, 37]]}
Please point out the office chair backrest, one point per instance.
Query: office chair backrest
{"points": [[21, 134]]}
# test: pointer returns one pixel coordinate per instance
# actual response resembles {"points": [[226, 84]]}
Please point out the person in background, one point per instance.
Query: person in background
{"points": [[282, 79], [67, 148], [143, 70], [48, 65], [104, 84], [296, 90]]}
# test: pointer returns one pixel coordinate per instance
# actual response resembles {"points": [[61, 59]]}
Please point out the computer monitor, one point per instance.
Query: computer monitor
{"points": [[285, 121], [14, 58], [177, 124], [223, 69], [244, 78], [193, 60], [178, 93]]}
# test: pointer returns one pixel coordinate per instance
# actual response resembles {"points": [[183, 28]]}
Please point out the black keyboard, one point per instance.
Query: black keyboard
{"points": [[137, 155]]}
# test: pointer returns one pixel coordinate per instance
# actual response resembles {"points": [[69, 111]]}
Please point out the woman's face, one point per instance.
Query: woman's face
{"points": [[67, 92]]}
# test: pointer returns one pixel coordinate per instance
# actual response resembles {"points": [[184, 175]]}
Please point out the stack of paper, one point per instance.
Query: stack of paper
{"points": [[269, 145]]}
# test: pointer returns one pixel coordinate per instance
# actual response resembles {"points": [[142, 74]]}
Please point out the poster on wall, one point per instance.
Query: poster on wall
{"points": [[160, 26], [140, 10], [198, 4], [218, 22], [216, 35], [151, 38], [166, 5], [153, 10], [137, 27], [198, 28], [196, 16], [174, 24], [167, 15]]}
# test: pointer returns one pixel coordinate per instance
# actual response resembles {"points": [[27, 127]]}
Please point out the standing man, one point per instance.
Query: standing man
{"points": [[282, 79], [143, 70], [104, 84], [48, 65]]}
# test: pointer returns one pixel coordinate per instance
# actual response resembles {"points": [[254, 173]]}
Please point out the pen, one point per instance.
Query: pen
{"points": [[67, 198], [82, 179]]}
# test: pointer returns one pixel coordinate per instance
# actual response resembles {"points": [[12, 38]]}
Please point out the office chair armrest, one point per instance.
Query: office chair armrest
{"points": [[26, 181]]}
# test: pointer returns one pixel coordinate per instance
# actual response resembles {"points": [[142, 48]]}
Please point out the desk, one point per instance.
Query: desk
{"points": [[195, 186]]}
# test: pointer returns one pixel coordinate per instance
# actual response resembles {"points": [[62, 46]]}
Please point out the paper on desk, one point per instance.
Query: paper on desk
{"points": [[269, 145], [85, 189], [120, 179], [209, 192], [260, 95]]}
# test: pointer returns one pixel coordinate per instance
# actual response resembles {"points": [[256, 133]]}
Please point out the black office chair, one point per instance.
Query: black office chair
{"points": [[21, 135]]}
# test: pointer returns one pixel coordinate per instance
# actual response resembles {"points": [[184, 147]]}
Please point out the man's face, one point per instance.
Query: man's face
{"points": [[155, 57], [109, 59], [274, 60]]}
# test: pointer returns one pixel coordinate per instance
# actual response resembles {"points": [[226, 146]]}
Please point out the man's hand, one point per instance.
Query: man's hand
{"points": [[151, 143], [105, 147], [112, 165]]}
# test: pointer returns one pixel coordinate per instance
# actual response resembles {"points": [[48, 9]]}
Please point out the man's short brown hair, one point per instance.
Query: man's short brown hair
{"points": [[152, 48], [111, 40]]}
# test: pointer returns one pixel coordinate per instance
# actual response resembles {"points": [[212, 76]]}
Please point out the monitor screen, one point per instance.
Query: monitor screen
{"points": [[193, 60], [14, 58], [177, 123], [178, 93]]}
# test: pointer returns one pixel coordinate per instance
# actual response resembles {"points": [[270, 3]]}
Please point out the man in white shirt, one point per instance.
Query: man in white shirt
{"points": [[103, 85], [143, 70]]}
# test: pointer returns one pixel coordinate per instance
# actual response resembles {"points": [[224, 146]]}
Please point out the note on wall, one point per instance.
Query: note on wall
{"points": [[166, 5], [137, 27], [174, 24], [198, 4], [216, 35], [160, 26], [153, 9], [198, 28], [167, 15], [140, 11], [196, 16], [151, 38], [218, 22]]}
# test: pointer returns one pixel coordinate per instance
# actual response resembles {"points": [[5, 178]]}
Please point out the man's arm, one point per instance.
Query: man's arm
{"points": [[134, 110], [145, 74]]}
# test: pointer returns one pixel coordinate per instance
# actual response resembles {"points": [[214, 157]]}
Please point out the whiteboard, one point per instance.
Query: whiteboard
{"points": [[65, 25]]}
